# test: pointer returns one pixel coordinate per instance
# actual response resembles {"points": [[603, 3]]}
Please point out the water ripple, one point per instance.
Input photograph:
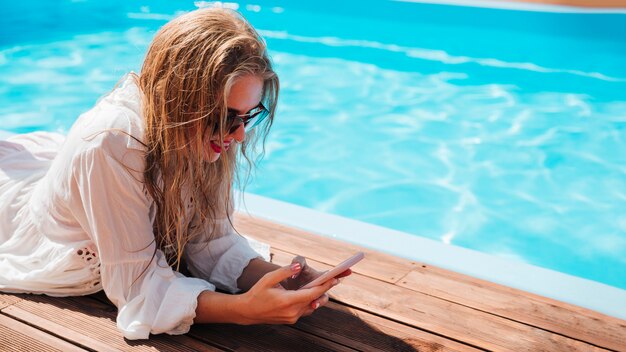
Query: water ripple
{"points": [[432, 55]]}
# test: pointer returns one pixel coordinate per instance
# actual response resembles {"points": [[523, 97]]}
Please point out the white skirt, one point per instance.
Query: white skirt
{"points": [[29, 261], [24, 160]]}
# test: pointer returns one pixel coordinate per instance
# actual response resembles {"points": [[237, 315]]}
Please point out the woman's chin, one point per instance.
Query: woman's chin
{"points": [[211, 156]]}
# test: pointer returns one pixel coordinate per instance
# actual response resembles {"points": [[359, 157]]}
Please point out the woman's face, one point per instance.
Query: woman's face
{"points": [[245, 95]]}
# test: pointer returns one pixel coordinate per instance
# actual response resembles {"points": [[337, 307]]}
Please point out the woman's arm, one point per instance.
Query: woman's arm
{"points": [[267, 302], [109, 203], [253, 273]]}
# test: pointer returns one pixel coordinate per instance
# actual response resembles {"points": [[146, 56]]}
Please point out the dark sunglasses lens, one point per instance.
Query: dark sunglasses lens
{"points": [[249, 122]]}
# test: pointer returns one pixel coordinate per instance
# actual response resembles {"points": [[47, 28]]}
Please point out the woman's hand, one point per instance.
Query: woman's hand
{"points": [[268, 302], [306, 275], [272, 299]]}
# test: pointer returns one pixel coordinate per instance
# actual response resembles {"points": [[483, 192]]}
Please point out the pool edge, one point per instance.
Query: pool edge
{"points": [[521, 5], [578, 291]]}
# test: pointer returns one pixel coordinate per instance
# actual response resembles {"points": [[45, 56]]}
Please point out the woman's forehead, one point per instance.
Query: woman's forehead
{"points": [[245, 94]]}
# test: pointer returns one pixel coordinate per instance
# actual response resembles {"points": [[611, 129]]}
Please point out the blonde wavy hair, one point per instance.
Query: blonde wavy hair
{"points": [[189, 69]]}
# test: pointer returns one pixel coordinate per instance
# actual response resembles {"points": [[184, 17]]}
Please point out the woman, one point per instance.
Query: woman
{"points": [[141, 187]]}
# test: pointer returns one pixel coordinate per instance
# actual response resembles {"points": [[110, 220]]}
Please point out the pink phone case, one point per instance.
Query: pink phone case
{"points": [[343, 266]]}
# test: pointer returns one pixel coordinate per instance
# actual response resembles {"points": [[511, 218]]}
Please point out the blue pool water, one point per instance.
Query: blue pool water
{"points": [[497, 130]]}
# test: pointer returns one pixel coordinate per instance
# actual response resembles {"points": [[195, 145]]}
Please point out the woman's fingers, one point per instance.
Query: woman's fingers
{"points": [[315, 305], [289, 306], [310, 294], [344, 274], [320, 302], [268, 305], [300, 260], [273, 278]]}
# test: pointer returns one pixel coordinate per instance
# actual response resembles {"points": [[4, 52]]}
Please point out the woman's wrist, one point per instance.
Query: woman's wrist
{"points": [[215, 307], [240, 307]]}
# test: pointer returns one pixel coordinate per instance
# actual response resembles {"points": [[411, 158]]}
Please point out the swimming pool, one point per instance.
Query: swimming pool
{"points": [[491, 129]]}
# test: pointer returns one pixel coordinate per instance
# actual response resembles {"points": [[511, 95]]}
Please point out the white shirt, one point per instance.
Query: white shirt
{"points": [[75, 219]]}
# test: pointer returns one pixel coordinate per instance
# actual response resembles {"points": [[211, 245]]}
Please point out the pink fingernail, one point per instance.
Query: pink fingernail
{"points": [[296, 267], [294, 276], [316, 305]]}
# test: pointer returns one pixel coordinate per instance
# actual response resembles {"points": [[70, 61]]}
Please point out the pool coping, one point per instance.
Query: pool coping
{"points": [[585, 293], [520, 5]]}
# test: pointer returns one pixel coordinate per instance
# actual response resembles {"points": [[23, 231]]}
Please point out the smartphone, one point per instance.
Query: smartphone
{"points": [[343, 266]]}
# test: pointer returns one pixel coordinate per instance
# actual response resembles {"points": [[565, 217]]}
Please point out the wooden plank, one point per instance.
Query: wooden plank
{"points": [[87, 322], [569, 320], [17, 336], [7, 299], [259, 337], [348, 327], [366, 332], [323, 249], [557, 316], [263, 338], [580, 3], [228, 337], [442, 317]]}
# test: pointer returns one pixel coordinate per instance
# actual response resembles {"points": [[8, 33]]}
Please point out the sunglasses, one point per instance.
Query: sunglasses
{"points": [[249, 120]]}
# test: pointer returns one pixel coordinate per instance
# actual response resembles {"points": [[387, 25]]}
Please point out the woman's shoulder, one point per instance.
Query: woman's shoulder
{"points": [[115, 121], [113, 127]]}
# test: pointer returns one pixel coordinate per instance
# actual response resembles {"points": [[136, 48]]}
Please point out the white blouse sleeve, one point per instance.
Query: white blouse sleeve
{"points": [[111, 206], [220, 260]]}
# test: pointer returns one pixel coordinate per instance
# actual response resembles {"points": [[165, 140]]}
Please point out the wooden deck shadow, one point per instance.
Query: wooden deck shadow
{"points": [[329, 329], [333, 328]]}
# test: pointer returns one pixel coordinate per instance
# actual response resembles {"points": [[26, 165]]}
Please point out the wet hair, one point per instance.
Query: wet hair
{"points": [[189, 69]]}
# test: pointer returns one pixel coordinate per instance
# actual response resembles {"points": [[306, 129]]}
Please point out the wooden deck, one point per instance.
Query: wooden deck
{"points": [[389, 304]]}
